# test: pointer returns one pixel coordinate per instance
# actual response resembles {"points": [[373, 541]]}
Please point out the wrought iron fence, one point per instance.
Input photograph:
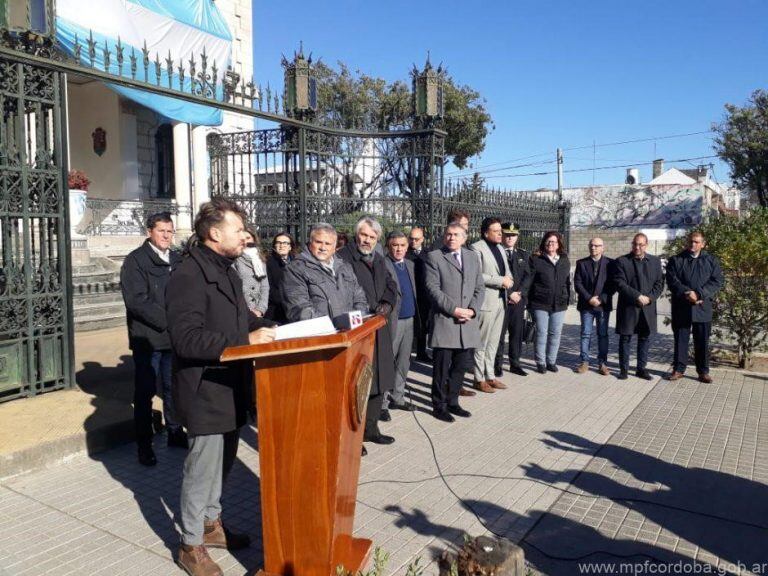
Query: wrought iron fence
{"points": [[289, 178], [123, 217]]}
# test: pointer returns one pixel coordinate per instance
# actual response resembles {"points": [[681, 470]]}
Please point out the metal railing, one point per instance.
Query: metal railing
{"points": [[104, 217]]}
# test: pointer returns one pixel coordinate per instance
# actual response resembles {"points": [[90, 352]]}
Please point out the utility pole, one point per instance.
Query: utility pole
{"points": [[559, 175]]}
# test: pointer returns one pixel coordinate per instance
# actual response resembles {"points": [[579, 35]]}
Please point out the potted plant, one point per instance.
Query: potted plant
{"points": [[78, 183]]}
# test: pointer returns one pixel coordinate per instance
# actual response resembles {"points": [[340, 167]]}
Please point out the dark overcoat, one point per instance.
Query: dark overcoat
{"points": [[275, 272], [206, 313], [633, 278], [550, 284], [588, 285], [143, 279], [379, 287], [702, 275], [420, 273], [522, 278]]}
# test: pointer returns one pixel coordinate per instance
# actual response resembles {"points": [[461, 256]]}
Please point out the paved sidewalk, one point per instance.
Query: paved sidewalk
{"points": [[509, 463]]}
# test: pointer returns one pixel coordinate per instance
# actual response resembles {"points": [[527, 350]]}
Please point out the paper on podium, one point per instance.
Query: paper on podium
{"points": [[314, 327]]}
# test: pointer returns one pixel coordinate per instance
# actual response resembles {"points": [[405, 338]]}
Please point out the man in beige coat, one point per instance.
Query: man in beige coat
{"points": [[497, 279]]}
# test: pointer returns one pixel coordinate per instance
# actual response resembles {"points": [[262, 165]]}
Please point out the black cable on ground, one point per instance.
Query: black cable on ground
{"points": [[524, 540]]}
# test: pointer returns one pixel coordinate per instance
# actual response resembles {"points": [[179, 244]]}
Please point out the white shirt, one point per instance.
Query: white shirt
{"points": [[165, 255], [554, 258]]}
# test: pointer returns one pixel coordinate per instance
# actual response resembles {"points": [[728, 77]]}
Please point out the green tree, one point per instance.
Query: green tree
{"points": [[741, 307], [742, 142]]}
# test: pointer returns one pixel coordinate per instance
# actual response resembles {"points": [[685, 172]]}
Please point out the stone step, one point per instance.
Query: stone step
{"points": [[83, 299], [96, 322]]}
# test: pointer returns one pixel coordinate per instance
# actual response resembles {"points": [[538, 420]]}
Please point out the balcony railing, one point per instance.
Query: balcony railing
{"points": [[123, 217]]}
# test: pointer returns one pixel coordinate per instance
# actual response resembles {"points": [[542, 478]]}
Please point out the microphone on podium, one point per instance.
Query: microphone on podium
{"points": [[348, 320]]}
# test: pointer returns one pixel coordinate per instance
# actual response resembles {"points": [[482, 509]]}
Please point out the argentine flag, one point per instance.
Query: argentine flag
{"points": [[181, 28]]}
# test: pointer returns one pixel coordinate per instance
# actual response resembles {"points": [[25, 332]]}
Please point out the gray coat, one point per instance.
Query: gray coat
{"points": [[311, 291], [255, 288], [494, 291], [450, 288]]}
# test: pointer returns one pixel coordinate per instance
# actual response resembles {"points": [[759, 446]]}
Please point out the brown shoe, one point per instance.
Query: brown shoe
{"points": [[706, 378], [217, 536], [498, 384], [194, 560], [603, 370], [583, 367], [466, 392], [484, 386], [675, 375]]}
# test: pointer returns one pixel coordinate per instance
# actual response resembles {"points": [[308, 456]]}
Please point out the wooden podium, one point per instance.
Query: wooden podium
{"points": [[311, 395]]}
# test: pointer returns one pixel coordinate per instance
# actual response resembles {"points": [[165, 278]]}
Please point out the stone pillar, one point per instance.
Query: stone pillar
{"points": [[181, 178], [201, 192]]}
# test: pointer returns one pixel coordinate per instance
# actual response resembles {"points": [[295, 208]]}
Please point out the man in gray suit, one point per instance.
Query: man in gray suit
{"points": [[455, 285], [407, 316], [497, 279]]}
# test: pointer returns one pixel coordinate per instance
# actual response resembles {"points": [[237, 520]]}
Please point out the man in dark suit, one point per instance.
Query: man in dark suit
{"points": [[456, 288], [639, 280], [143, 279], [380, 289], [207, 313], [694, 277], [593, 286], [418, 255], [407, 318], [514, 319]]}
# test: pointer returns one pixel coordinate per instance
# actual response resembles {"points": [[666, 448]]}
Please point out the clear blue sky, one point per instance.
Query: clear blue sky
{"points": [[554, 73]]}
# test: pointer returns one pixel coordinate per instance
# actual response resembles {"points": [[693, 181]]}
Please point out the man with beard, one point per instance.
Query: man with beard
{"points": [[380, 289], [207, 313], [639, 280]]}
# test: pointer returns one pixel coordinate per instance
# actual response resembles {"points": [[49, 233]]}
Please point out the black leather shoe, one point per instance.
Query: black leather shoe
{"points": [[541, 368], [459, 411], [365, 452], [385, 416], [178, 439], [378, 438], [644, 374], [498, 372], [147, 456], [622, 375], [443, 415], [517, 370], [405, 406], [552, 367]]}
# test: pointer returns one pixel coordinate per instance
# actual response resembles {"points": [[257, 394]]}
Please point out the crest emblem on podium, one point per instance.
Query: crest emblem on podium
{"points": [[362, 390]]}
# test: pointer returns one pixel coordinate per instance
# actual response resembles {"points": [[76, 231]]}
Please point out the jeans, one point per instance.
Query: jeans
{"points": [[588, 320], [549, 326], [149, 367]]}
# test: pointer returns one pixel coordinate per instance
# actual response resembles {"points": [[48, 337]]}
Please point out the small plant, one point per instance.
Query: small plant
{"points": [[380, 559], [415, 568], [77, 180]]}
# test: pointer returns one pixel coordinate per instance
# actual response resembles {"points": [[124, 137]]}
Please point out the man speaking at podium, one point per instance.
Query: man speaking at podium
{"points": [[207, 313]]}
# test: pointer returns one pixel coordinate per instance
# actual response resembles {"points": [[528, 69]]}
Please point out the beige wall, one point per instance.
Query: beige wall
{"points": [[91, 106]]}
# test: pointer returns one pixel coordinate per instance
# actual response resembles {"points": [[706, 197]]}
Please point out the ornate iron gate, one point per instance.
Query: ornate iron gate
{"points": [[35, 311], [288, 178]]}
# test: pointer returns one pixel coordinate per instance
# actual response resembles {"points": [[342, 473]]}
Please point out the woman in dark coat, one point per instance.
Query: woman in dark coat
{"points": [[283, 251], [548, 298]]}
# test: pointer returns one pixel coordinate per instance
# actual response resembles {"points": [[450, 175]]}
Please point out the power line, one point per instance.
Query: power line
{"points": [[481, 169], [614, 167]]}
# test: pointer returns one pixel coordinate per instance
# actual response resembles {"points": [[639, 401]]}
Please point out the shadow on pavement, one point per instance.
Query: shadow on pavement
{"points": [[721, 513], [156, 489]]}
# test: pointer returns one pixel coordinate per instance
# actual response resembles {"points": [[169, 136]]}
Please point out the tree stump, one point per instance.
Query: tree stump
{"points": [[486, 556]]}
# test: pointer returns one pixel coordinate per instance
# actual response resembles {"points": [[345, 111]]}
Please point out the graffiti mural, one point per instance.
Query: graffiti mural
{"points": [[668, 206]]}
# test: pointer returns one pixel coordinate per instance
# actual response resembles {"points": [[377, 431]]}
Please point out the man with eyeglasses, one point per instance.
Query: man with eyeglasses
{"points": [[593, 286], [639, 280], [418, 255]]}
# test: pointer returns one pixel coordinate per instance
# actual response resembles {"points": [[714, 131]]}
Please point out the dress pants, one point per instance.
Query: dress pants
{"points": [[401, 344], [420, 328], [449, 366], [643, 343], [149, 368], [206, 467], [491, 326], [514, 322], [700, 331]]}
